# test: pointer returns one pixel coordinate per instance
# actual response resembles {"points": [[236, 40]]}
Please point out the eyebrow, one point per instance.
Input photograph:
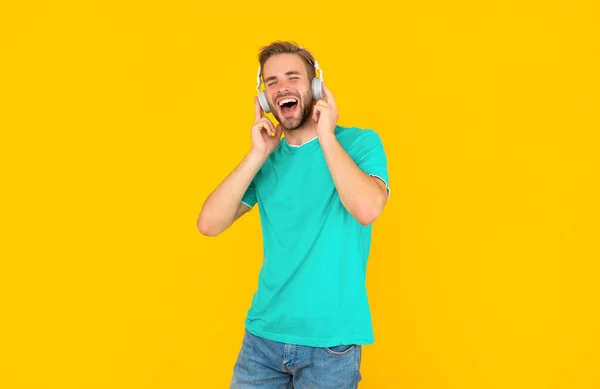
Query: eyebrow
{"points": [[287, 74]]}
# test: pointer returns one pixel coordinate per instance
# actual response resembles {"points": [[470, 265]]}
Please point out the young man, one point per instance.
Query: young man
{"points": [[319, 190]]}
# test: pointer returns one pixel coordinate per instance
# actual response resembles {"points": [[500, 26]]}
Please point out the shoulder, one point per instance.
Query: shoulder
{"points": [[352, 138]]}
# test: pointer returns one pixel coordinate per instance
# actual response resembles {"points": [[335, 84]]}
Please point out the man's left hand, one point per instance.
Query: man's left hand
{"points": [[325, 113]]}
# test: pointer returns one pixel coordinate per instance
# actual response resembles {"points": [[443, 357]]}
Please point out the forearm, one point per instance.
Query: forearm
{"points": [[219, 210], [359, 192]]}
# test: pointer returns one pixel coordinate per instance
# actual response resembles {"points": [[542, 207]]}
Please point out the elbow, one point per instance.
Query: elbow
{"points": [[367, 214], [366, 218], [206, 228]]}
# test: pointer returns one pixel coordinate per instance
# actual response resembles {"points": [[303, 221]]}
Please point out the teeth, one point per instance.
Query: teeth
{"points": [[287, 101]]}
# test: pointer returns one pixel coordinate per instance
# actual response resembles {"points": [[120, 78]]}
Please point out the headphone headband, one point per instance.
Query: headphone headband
{"points": [[316, 66]]}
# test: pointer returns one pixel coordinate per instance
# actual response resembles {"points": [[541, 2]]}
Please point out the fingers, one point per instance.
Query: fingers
{"points": [[278, 130], [327, 94], [258, 111], [264, 124], [321, 107], [317, 109], [271, 128]]}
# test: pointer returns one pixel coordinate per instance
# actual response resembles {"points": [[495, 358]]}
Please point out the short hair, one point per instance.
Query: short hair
{"points": [[287, 47]]}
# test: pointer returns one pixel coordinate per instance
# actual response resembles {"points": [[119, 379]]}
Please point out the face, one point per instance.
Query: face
{"points": [[288, 90]]}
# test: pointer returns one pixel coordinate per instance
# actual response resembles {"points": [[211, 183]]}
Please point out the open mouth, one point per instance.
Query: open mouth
{"points": [[288, 106]]}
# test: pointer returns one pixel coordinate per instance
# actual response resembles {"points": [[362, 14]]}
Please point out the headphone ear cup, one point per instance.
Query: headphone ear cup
{"points": [[264, 103], [317, 90]]}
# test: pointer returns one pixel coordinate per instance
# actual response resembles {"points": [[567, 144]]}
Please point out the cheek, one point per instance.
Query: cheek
{"points": [[270, 91], [308, 97]]}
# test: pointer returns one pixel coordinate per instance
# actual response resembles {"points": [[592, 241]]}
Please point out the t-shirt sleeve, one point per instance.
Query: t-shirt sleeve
{"points": [[369, 155], [249, 197]]}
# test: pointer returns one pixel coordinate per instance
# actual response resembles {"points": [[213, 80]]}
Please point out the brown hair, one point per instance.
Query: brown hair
{"points": [[285, 47]]}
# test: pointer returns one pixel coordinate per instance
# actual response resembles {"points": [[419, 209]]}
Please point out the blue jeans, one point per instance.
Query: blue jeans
{"points": [[266, 364]]}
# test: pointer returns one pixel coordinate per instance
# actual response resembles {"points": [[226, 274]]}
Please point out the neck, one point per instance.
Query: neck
{"points": [[301, 134]]}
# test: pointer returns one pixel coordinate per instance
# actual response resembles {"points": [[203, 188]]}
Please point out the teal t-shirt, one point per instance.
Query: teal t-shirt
{"points": [[311, 287]]}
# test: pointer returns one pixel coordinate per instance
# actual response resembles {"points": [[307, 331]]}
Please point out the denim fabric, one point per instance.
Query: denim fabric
{"points": [[266, 364]]}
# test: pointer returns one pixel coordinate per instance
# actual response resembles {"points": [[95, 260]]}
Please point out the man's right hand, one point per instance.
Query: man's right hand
{"points": [[265, 136]]}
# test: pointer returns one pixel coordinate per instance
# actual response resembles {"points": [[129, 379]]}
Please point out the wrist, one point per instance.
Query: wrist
{"points": [[327, 138], [259, 157]]}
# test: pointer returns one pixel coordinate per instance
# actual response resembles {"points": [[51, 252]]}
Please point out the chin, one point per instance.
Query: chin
{"points": [[291, 124], [294, 124]]}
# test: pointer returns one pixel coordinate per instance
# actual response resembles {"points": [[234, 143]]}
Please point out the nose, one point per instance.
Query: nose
{"points": [[283, 88], [284, 85], [281, 91]]}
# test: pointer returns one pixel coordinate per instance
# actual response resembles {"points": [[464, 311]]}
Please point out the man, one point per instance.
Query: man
{"points": [[319, 190]]}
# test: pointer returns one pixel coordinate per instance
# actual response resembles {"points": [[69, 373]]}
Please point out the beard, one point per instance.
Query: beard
{"points": [[303, 112]]}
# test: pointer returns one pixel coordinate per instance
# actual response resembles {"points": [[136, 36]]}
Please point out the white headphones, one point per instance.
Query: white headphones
{"points": [[317, 91]]}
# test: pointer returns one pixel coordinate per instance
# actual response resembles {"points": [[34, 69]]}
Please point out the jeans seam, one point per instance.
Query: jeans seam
{"points": [[296, 355], [285, 386], [357, 356], [343, 353]]}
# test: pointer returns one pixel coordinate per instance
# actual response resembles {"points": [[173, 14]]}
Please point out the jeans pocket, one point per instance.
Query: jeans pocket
{"points": [[341, 350]]}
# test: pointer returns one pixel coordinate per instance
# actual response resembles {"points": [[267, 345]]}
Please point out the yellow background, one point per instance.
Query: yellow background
{"points": [[118, 119]]}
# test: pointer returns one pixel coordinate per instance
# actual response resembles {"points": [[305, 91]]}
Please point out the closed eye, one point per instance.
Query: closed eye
{"points": [[270, 84]]}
